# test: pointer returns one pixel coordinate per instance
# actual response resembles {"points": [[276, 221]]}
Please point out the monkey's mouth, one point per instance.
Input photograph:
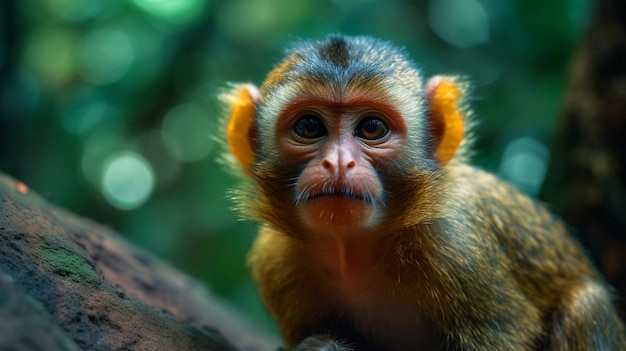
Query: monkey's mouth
{"points": [[345, 193]]}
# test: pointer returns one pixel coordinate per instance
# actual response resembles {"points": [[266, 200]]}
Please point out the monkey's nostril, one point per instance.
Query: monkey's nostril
{"points": [[327, 164], [351, 164]]}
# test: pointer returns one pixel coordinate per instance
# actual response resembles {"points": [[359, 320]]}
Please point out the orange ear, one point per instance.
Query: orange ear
{"points": [[240, 131], [443, 95]]}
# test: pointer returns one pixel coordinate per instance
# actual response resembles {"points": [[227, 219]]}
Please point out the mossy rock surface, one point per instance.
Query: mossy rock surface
{"points": [[68, 283]]}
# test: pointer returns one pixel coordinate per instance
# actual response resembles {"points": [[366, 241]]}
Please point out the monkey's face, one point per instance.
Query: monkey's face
{"points": [[341, 137], [340, 149]]}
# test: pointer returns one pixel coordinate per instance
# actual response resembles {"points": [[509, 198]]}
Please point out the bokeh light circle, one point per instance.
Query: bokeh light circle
{"points": [[462, 23], [186, 132], [104, 56], [49, 55], [175, 11], [127, 180]]}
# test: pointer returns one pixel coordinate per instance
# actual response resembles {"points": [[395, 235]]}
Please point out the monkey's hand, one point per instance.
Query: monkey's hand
{"points": [[319, 343]]}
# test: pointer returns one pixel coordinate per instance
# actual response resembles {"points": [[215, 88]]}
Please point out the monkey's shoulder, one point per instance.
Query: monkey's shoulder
{"points": [[497, 213], [492, 196]]}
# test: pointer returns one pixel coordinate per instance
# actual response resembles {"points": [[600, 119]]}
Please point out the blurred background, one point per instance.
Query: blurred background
{"points": [[109, 108]]}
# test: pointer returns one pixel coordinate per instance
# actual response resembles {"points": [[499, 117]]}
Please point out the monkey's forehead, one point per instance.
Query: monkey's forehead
{"points": [[340, 61], [344, 51], [343, 70]]}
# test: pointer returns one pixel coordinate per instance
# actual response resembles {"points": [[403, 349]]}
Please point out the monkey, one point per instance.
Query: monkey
{"points": [[376, 233]]}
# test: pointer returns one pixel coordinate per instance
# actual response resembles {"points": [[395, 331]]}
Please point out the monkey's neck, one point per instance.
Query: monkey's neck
{"points": [[351, 261]]}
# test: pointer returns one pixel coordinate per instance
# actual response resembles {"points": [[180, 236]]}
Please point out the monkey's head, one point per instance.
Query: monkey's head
{"points": [[335, 129]]}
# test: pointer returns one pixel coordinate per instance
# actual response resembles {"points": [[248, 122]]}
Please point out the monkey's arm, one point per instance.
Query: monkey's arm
{"points": [[549, 266], [285, 290]]}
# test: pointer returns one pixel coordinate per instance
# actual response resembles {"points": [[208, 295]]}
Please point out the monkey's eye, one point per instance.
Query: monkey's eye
{"points": [[309, 127], [371, 128]]}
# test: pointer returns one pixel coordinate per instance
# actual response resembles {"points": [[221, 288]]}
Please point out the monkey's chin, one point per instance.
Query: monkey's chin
{"points": [[338, 213]]}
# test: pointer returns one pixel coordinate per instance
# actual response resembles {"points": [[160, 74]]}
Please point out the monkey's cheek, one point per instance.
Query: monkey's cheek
{"points": [[338, 213]]}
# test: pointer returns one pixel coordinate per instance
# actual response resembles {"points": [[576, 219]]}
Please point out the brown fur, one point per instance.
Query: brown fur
{"points": [[277, 75], [487, 267], [459, 261]]}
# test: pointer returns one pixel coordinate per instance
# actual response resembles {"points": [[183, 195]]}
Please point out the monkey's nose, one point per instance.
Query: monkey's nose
{"points": [[339, 164]]}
